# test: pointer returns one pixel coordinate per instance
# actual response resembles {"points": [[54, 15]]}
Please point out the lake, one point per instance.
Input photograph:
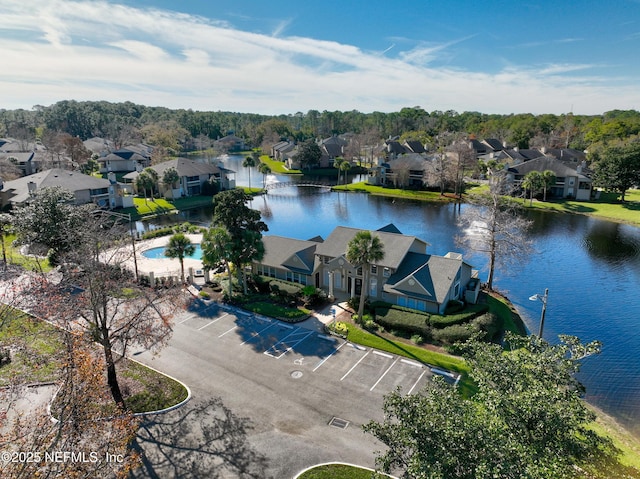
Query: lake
{"points": [[591, 267]]}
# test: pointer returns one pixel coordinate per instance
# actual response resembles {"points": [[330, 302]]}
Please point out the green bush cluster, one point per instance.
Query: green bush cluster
{"points": [[170, 230], [472, 321]]}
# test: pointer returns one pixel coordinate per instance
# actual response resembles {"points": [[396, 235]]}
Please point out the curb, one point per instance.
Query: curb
{"points": [[336, 463]]}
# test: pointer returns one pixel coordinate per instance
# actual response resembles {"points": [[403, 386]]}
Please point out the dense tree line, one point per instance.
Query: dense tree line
{"points": [[118, 121]]}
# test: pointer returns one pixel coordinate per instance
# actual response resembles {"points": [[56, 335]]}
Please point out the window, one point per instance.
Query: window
{"points": [[386, 272], [325, 259], [456, 290], [374, 269], [373, 287], [359, 271]]}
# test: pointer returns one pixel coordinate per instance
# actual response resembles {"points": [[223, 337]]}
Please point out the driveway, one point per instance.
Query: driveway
{"points": [[306, 395]]}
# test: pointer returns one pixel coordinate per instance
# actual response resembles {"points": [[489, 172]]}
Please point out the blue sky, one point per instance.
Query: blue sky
{"points": [[282, 57]]}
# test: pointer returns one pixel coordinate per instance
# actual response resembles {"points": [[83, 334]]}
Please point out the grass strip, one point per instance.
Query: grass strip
{"points": [[278, 167], [336, 471], [364, 187], [276, 311], [31, 263], [426, 356]]}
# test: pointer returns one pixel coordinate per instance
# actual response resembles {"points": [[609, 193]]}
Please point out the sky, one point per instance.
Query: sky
{"points": [[283, 57]]}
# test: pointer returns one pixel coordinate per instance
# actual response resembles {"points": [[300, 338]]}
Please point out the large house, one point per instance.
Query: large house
{"points": [[407, 275], [106, 193], [192, 176], [570, 182]]}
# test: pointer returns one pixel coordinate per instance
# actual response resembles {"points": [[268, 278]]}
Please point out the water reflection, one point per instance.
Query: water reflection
{"points": [[591, 267]]}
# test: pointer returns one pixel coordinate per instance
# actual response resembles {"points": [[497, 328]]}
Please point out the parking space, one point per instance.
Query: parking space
{"points": [[327, 357]]}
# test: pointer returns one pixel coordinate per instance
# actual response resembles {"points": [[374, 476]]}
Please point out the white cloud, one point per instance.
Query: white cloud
{"points": [[95, 50]]}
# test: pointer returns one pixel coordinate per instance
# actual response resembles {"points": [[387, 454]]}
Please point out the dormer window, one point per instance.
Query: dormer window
{"points": [[374, 269]]}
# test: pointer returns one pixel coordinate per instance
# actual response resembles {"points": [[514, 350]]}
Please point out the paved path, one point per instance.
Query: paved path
{"points": [[306, 395]]}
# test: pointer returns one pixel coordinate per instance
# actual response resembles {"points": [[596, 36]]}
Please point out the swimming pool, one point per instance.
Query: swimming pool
{"points": [[158, 253]]}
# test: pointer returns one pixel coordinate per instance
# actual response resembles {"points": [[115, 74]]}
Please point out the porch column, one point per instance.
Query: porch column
{"points": [[352, 280], [331, 284]]}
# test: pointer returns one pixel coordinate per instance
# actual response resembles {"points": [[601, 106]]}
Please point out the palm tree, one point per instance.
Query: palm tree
{"points": [[337, 163], [346, 166], [170, 177], [144, 182], [265, 170], [548, 178], [363, 250], [179, 246], [249, 163], [532, 182]]}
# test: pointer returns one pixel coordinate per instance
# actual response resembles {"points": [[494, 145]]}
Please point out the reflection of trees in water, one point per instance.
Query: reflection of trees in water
{"points": [[612, 242], [203, 439]]}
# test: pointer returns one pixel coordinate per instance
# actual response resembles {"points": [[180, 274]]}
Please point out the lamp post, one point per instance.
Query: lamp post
{"points": [[133, 239], [543, 298]]}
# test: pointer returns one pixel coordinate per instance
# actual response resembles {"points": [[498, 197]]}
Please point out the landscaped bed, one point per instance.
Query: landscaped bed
{"points": [[38, 356]]}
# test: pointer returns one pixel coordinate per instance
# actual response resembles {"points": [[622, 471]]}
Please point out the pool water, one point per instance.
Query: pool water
{"points": [[158, 253]]}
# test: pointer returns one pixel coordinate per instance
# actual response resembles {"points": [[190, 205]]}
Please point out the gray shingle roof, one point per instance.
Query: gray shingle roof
{"points": [[396, 246], [296, 255], [546, 163], [424, 276], [186, 167], [69, 180]]}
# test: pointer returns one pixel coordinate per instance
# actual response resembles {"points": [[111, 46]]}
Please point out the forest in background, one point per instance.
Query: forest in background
{"points": [[179, 130]]}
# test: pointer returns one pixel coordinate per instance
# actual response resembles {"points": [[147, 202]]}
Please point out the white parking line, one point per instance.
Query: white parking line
{"points": [[385, 355], [186, 319], [214, 321], [411, 363], [256, 333], [327, 357], [306, 334], [383, 375], [416, 383], [355, 365]]}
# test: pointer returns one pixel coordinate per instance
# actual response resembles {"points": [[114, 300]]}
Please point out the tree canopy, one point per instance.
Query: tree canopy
{"points": [[243, 225], [363, 250], [526, 420], [618, 168]]}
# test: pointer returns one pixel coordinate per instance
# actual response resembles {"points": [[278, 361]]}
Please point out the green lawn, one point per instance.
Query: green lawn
{"points": [[607, 207], [336, 471], [40, 348], [278, 167], [357, 335], [27, 262], [276, 311], [42, 355], [364, 187]]}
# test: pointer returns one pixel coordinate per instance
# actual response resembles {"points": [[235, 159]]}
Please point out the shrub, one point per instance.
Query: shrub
{"points": [[204, 294], [403, 320], [491, 324], [469, 313], [417, 339], [454, 334], [369, 324], [454, 306]]}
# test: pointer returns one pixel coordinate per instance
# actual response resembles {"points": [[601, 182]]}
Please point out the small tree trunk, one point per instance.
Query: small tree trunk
{"points": [[112, 378], [362, 292], [181, 268]]}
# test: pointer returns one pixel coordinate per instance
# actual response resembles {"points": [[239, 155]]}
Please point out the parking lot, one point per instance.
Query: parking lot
{"points": [[306, 351]]}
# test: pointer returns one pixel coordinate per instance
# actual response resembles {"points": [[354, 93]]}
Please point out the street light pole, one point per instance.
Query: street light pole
{"points": [[542, 298]]}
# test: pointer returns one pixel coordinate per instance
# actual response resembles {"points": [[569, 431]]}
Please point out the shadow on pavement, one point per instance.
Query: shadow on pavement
{"points": [[201, 439]]}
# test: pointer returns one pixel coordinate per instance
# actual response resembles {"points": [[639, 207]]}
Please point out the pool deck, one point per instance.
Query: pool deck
{"points": [[163, 267]]}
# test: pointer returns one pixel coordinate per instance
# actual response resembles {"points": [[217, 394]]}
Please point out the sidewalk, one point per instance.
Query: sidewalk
{"points": [[323, 317]]}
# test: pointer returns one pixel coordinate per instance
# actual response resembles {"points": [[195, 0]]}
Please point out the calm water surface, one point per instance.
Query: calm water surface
{"points": [[591, 267]]}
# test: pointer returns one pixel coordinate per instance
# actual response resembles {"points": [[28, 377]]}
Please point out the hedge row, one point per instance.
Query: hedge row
{"points": [[471, 312]]}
